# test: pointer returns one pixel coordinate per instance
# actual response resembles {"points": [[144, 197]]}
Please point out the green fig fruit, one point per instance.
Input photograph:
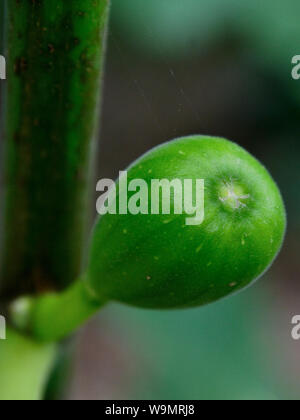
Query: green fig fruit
{"points": [[160, 261]]}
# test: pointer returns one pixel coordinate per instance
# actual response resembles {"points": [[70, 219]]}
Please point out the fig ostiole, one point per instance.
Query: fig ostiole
{"points": [[158, 260]]}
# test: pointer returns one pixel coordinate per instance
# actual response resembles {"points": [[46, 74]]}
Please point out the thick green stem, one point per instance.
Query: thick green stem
{"points": [[54, 316], [54, 52], [24, 367]]}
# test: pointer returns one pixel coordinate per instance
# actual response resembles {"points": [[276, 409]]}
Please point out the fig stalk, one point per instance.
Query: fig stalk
{"points": [[54, 316]]}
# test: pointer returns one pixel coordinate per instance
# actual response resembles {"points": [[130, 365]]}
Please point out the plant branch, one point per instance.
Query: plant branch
{"points": [[55, 52]]}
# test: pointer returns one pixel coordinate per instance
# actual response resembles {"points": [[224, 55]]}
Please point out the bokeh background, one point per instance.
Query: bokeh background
{"points": [[218, 67]]}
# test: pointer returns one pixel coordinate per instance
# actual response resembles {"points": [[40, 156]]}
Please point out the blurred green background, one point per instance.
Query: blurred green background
{"points": [[219, 67]]}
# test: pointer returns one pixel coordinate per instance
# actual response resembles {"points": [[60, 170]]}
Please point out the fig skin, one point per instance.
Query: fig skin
{"points": [[159, 262]]}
